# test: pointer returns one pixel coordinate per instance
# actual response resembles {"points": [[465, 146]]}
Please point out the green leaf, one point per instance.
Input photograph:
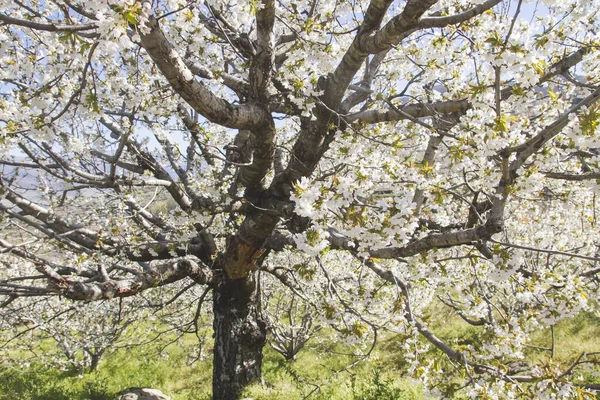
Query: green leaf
{"points": [[92, 100], [130, 17], [539, 67], [495, 40], [588, 121], [501, 125]]}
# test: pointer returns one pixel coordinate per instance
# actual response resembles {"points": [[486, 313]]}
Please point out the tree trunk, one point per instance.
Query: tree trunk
{"points": [[95, 356], [240, 336], [95, 362]]}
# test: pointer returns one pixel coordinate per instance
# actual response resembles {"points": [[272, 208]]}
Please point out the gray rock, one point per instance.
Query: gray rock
{"points": [[141, 394]]}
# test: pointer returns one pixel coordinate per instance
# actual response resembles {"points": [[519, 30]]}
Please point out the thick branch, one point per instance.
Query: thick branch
{"points": [[239, 86], [460, 106], [261, 144], [154, 276], [357, 53], [46, 27], [397, 28], [198, 96], [159, 275], [413, 110], [77, 233], [525, 150], [573, 177], [262, 62], [429, 242], [440, 22]]}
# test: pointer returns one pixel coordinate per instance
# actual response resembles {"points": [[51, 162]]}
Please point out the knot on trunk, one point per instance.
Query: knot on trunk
{"points": [[187, 267], [109, 289], [298, 224], [493, 227], [253, 332]]}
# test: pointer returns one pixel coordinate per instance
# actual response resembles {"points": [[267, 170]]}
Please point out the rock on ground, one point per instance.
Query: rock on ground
{"points": [[141, 394]]}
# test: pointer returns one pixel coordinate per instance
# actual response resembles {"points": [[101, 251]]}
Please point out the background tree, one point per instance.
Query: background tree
{"points": [[68, 336], [75, 336], [411, 150]]}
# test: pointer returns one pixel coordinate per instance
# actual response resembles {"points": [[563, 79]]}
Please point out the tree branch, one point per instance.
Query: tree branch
{"points": [[525, 150], [461, 106], [198, 96], [46, 27], [433, 241], [411, 110], [153, 276], [573, 177], [440, 22]]}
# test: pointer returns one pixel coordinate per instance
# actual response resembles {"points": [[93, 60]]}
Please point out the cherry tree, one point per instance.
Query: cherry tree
{"points": [[370, 157], [75, 336], [64, 335]]}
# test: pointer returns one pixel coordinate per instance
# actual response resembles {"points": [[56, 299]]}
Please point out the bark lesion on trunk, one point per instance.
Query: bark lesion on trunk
{"points": [[242, 260]]}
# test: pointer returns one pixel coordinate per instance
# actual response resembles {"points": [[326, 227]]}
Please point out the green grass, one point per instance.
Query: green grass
{"points": [[572, 338], [321, 369], [139, 367], [38, 383], [321, 364], [135, 367]]}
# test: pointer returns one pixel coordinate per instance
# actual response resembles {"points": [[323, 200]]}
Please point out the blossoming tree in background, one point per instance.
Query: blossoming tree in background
{"points": [[75, 336], [71, 336], [368, 156]]}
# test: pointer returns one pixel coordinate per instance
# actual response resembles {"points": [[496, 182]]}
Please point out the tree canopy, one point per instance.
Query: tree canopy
{"points": [[373, 158]]}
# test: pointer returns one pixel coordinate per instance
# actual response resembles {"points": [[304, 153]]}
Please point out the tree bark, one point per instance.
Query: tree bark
{"points": [[95, 360], [240, 336]]}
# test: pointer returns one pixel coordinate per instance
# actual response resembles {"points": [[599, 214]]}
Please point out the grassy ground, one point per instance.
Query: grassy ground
{"points": [[380, 377], [282, 379]]}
